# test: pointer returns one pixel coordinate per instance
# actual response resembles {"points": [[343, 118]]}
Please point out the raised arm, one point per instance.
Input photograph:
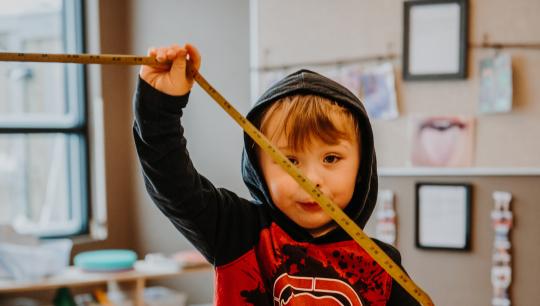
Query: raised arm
{"points": [[211, 218]]}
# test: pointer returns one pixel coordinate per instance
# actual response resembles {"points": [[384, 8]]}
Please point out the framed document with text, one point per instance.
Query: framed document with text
{"points": [[443, 216], [435, 39]]}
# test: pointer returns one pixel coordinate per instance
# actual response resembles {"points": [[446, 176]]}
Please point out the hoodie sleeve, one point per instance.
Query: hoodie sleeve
{"points": [[398, 296], [209, 217]]}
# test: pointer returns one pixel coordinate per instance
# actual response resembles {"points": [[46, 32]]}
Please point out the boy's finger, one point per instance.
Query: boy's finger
{"points": [[152, 51], [178, 67], [176, 52], [194, 55], [171, 54], [161, 55], [182, 53], [175, 47]]}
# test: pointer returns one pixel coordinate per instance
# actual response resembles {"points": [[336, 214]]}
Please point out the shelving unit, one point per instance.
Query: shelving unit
{"points": [[74, 277]]}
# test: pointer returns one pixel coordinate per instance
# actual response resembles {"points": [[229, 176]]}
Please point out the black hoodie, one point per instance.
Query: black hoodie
{"points": [[260, 256]]}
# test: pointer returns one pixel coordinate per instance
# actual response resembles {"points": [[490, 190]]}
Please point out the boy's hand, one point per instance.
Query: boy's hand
{"points": [[171, 78]]}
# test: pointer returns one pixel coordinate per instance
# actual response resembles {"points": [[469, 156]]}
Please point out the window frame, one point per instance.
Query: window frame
{"points": [[76, 124]]}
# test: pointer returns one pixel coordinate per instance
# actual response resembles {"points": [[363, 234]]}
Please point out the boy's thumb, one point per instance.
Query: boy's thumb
{"points": [[178, 67]]}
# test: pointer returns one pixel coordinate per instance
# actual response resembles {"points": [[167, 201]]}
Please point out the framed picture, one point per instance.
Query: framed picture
{"points": [[435, 39], [443, 216]]}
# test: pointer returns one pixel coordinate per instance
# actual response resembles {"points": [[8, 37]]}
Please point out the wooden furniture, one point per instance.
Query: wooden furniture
{"points": [[74, 277]]}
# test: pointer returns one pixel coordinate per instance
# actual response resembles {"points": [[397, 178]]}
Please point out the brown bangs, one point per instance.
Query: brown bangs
{"points": [[305, 118]]}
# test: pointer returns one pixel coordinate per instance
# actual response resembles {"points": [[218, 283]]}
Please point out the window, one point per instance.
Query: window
{"points": [[43, 121]]}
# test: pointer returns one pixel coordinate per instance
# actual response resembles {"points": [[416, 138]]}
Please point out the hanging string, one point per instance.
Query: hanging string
{"points": [[341, 62], [485, 44]]}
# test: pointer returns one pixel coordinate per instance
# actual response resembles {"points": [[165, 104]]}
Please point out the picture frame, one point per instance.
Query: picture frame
{"points": [[443, 216], [435, 34]]}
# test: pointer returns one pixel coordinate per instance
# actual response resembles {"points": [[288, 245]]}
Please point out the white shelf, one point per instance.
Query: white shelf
{"points": [[419, 171]]}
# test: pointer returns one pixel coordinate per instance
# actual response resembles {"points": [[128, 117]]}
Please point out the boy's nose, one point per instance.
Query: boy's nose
{"points": [[314, 176]]}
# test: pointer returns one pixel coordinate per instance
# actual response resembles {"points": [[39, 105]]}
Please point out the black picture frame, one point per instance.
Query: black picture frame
{"points": [[443, 216], [430, 31]]}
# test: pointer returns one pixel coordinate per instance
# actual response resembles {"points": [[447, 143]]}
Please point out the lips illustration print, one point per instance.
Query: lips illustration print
{"points": [[294, 290]]}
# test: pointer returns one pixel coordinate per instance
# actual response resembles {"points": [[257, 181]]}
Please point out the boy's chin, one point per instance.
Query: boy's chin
{"points": [[313, 224], [319, 230]]}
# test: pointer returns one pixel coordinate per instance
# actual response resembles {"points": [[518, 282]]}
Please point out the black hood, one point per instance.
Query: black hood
{"points": [[365, 194]]}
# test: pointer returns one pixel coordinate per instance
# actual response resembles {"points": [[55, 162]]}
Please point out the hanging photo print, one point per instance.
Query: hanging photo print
{"points": [[496, 84], [444, 141], [350, 78], [333, 72], [378, 91]]}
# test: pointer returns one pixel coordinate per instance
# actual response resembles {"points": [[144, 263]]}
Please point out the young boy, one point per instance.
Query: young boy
{"points": [[279, 248]]}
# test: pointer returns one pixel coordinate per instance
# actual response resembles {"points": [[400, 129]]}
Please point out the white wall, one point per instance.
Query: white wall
{"points": [[220, 29]]}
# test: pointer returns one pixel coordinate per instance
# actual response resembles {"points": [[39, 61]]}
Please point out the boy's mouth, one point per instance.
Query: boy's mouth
{"points": [[310, 206]]}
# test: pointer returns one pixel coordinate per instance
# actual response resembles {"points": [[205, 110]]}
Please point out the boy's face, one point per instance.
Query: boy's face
{"points": [[332, 167]]}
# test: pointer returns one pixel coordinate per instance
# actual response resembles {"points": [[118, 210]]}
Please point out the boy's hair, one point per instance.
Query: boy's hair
{"points": [[304, 118]]}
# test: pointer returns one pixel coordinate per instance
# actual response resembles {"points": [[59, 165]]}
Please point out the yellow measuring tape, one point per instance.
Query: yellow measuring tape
{"points": [[326, 204]]}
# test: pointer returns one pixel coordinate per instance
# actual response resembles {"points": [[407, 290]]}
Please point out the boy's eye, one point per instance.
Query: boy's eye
{"points": [[331, 159], [293, 160]]}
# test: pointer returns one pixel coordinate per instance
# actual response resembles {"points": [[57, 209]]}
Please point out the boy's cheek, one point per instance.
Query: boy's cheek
{"points": [[282, 186]]}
